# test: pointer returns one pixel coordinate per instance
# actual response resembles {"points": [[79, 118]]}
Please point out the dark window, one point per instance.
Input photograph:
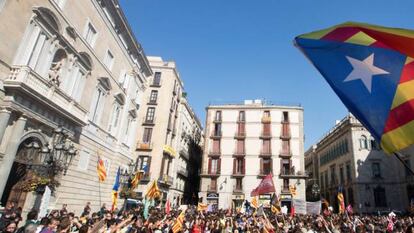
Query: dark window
{"points": [[341, 175], [333, 175], [348, 172], [157, 79], [216, 146], [376, 170], [153, 96], [267, 166], [266, 147], [217, 129], [240, 147], [379, 197], [350, 196], [150, 115], [266, 114], [285, 116], [147, 135], [213, 184]]}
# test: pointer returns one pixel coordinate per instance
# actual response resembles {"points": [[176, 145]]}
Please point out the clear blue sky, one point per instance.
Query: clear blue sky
{"points": [[231, 50]]}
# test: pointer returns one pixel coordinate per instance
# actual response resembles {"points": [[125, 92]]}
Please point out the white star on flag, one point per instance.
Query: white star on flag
{"points": [[364, 70]]}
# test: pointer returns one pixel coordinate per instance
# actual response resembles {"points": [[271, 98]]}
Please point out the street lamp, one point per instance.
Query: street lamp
{"points": [[52, 158]]}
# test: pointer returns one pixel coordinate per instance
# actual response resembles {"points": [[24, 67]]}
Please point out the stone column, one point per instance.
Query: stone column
{"points": [[4, 120], [11, 150]]}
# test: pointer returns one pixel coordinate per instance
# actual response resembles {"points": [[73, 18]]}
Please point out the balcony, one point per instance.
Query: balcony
{"points": [[145, 178], [265, 153], [25, 79], [284, 189], [266, 119], [285, 154], [181, 170], [166, 179], [217, 120], [152, 102], [238, 174], [239, 153], [211, 189], [240, 135], [148, 121], [207, 173], [144, 146], [238, 190], [266, 135], [264, 173], [156, 84], [291, 174], [216, 135]]}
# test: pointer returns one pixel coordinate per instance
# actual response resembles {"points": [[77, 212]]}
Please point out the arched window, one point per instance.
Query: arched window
{"points": [[363, 142]]}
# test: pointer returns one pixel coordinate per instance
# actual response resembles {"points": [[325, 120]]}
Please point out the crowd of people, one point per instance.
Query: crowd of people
{"points": [[195, 221]]}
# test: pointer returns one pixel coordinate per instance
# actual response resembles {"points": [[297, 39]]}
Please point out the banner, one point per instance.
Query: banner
{"points": [[300, 206], [313, 207]]}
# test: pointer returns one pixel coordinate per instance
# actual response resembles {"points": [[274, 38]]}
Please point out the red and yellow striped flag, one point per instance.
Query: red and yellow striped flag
{"points": [[136, 179], [179, 222], [202, 207], [254, 202], [153, 192], [101, 170], [341, 203]]}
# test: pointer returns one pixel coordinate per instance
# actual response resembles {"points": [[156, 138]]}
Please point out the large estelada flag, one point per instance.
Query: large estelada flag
{"points": [[371, 69], [265, 186]]}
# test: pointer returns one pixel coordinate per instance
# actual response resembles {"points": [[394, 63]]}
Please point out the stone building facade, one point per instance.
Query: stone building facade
{"points": [[166, 119], [74, 64], [246, 142], [349, 158]]}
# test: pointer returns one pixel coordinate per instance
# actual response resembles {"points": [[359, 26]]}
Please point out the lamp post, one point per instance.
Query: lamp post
{"points": [[127, 176], [49, 160]]}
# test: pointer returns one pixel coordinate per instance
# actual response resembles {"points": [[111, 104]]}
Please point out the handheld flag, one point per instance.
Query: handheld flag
{"points": [[341, 201], [167, 207], [153, 192], [265, 186], [136, 179], [202, 207], [100, 168], [349, 209], [179, 222], [292, 190], [254, 203], [371, 69], [115, 189]]}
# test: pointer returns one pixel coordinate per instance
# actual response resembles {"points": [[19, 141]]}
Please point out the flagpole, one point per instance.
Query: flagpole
{"points": [[398, 155]]}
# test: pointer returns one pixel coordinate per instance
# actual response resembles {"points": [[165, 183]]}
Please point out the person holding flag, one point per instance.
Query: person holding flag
{"points": [[115, 189], [178, 224], [341, 201]]}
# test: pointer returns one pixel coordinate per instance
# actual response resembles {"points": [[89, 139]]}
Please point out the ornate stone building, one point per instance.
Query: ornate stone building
{"points": [[74, 64], [349, 157]]}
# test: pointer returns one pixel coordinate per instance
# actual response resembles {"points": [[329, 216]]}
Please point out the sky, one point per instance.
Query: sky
{"points": [[231, 50]]}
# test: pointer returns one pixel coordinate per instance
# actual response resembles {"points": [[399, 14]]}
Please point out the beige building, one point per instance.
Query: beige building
{"points": [[158, 138], [244, 143], [349, 157], [74, 64]]}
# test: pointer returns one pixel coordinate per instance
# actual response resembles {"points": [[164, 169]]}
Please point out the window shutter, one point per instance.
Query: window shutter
{"points": [[261, 166], [148, 164], [219, 166], [244, 166], [234, 166], [209, 166]]}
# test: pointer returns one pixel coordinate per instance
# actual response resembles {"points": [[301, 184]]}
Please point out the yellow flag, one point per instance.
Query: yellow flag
{"points": [[254, 202], [202, 207]]}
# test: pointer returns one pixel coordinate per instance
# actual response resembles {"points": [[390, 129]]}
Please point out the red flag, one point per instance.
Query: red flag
{"points": [[167, 207], [292, 210], [265, 186]]}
